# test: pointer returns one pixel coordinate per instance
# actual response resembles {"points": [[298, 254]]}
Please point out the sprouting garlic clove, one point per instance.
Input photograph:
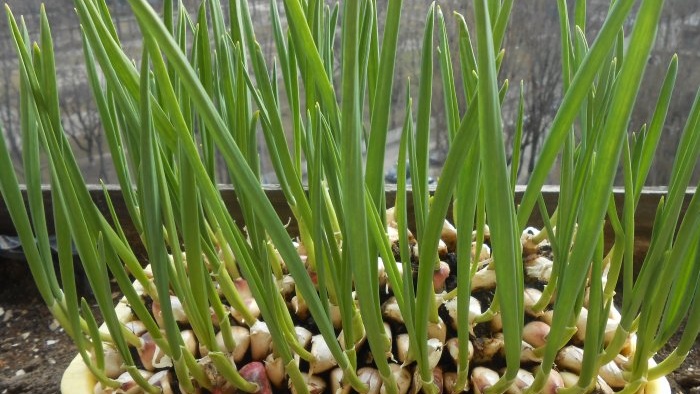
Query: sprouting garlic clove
{"points": [[612, 374], [370, 377], [274, 367], [151, 355], [453, 312], [434, 351], [260, 341], [527, 353], [323, 358], [440, 275], [303, 336], [255, 372], [402, 375], [571, 358], [113, 361], [337, 384], [391, 311], [553, 384], [449, 236], [535, 333], [240, 336], [483, 378], [402, 349], [163, 380], [582, 320], [531, 296], [452, 346], [190, 341], [300, 308], [523, 380], [178, 311], [486, 348], [249, 302], [287, 286], [449, 380], [314, 384], [530, 247], [437, 330], [135, 326], [570, 379], [127, 385], [496, 323], [539, 268], [484, 279], [336, 317], [484, 252]]}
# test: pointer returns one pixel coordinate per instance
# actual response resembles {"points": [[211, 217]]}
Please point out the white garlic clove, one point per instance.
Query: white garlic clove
{"points": [[260, 341], [314, 384], [391, 311], [486, 348], [323, 358], [274, 367], [484, 279], [370, 377], [337, 384], [571, 358], [402, 375], [434, 352]]}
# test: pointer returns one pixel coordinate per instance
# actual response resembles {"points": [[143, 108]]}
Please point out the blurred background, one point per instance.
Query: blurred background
{"points": [[532, 56]]}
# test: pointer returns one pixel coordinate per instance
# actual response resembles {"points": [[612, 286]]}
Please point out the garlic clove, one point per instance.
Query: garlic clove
{"points": [[535, 333], [337, 384], [370, 377], [255, 372], [483, 378], [403, 378], [314, 384], [323, 358], [260, 341], [274, 367], [440, 275]]}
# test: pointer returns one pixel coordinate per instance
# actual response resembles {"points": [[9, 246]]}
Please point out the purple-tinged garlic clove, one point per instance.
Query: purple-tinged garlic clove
{"points": [[452, 346], [553, 384], [255, 372], [452, 311], [486, 348], [535, 333], [483, 378], [434, 352], [314, 384], [274, 367], [402, 375], [440, 275], [323, 358], [439, 379], [260, 341], [571, 358], [370, 377], [151, 355], [391, 311]]}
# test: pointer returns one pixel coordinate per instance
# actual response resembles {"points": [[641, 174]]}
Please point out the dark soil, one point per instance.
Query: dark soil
{"points": [[34, 352]]}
